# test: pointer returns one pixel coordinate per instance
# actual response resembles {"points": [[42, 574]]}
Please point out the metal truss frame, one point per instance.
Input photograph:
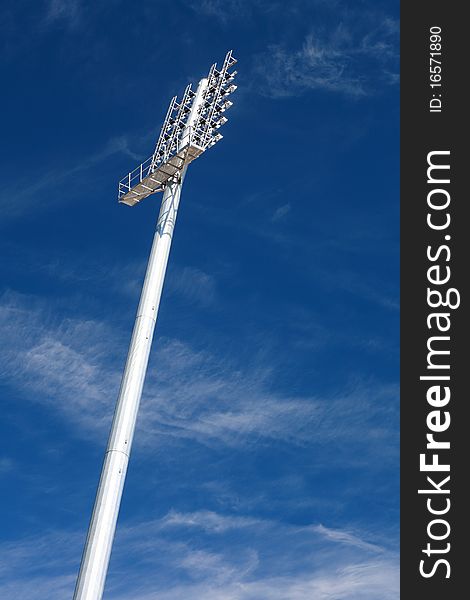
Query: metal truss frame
{"points": [[179, 143]]}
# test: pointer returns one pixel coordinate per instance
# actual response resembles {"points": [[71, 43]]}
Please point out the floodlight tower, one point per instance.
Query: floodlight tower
{"points": [[190, 127]]}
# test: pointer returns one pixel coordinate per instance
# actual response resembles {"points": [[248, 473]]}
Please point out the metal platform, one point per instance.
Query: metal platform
{"points": [[144, 180]]}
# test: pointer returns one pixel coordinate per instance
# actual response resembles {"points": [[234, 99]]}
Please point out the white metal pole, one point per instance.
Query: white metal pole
{"points": [[95, 559]]}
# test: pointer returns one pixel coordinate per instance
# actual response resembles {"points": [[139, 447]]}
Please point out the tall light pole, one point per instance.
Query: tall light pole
{"points": [[190, 127]]}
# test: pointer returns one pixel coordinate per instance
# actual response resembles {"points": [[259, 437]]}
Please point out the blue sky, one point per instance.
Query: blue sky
{"points": [[265, 461]]}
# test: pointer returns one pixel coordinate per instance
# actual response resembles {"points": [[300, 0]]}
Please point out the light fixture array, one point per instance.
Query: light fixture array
{"points": [[180, 142]]}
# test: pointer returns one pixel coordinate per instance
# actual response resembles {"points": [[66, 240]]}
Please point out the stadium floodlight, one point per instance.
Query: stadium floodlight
{"points": [[191, 126], [188, 130]]}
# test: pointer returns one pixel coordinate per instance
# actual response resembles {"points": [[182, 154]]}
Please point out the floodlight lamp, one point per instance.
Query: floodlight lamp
{"points": [[186, 133], [220, 122], [229, 90], [223, 107]]}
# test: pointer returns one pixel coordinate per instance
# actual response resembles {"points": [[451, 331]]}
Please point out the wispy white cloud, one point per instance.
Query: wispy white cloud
{"points": [[59, 361], [368, 581], [183, 555], [315, 66], [257, 558], [346, 537], [281, 212], [73, 366], [15, 202], [344, 60], [208, 520], [6, 464], [194, 285], [384, 295]]}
